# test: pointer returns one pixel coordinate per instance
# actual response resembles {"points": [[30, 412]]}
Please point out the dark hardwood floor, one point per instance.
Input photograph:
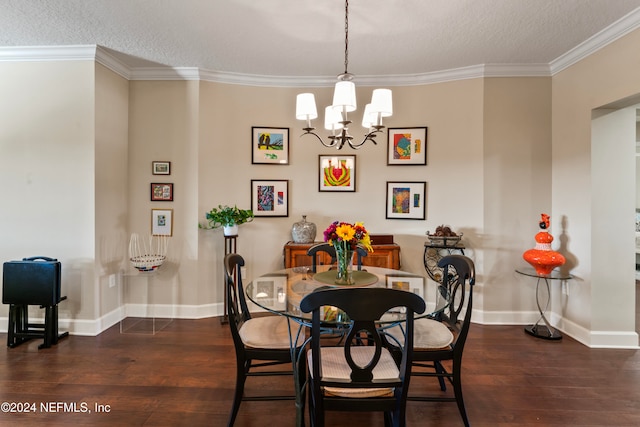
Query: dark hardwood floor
{"points": [[184, 376]]}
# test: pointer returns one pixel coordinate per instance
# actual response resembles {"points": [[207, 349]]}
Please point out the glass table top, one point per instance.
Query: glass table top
{"points": [[554, 275], [281, 291]]}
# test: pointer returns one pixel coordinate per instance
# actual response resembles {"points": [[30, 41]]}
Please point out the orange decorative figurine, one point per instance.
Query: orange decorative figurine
{"points": [[542, 258]]}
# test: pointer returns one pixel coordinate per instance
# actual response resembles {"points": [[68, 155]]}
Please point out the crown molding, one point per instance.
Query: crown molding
{"points": [[105, 58], [47, 53], [618, 29], [102, 56]]}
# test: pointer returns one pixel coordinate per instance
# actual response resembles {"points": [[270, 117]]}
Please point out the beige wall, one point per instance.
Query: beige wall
{"points": [[225, 171], [589, 206], [517, 189], [111, 187], [78, 140], [164, 126]]}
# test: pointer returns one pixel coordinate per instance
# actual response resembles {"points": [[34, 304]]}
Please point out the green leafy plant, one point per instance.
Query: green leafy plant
{"points": [[226, 216]]}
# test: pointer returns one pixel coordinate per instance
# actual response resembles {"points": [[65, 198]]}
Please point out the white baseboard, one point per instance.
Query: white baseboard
{"points": [[593, 339], [84, 327]]}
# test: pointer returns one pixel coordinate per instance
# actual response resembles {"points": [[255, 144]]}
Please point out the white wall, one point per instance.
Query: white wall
{"points": [[47, 165], [613, 143]]}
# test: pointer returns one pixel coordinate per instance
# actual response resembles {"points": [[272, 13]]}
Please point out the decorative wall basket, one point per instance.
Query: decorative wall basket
{"points": [[147, 254]]}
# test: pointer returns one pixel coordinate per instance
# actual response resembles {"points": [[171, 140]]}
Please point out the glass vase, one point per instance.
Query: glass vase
{"points": [[344, 258]]}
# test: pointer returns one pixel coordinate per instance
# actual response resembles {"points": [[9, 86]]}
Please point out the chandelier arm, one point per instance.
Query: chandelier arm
{"points": [[368, 137], [309, 131]]}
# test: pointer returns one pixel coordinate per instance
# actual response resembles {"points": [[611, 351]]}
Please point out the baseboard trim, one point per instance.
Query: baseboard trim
{"points": [[84, 327], [592, 339]]}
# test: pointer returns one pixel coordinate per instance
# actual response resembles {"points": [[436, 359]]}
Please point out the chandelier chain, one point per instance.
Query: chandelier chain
{"points": [[346, 36]]}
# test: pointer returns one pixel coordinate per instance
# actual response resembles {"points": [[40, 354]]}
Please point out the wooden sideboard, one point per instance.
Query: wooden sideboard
{"points": [[386, 256]]}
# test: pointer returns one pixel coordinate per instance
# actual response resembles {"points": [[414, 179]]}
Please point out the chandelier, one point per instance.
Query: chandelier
{"points": [[344, 101]]}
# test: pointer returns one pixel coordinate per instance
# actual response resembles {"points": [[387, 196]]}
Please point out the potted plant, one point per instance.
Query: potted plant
{"points": [[229, 218]]}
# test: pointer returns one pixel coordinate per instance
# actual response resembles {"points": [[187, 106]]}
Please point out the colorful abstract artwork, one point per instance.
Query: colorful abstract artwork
{"points": [[337, 173], [337, 176], [269, 197], [407, 146], [406, 200], [265, 198], [402, 146], [401, 198]]}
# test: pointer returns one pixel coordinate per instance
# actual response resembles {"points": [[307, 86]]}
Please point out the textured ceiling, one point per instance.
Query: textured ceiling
{"points": [[306, 37]]}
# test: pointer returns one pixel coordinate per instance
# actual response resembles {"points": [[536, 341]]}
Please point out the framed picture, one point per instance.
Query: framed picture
{"points": [[270, 197], [407, 146], [270, 145], [161, 192], [406, 200], [162, 222], [337, 173], [161, 168], [413, 284], [271, 290]]}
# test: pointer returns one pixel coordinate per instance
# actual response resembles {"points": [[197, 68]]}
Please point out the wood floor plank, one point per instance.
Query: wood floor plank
{"points": [[185, 376]]}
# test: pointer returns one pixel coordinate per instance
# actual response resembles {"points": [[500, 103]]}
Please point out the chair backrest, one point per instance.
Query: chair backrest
{"points": [[363, 306], [326, 247], [458, 271], [237, 309]]}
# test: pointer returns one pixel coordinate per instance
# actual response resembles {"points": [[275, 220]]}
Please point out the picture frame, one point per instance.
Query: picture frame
{"points": [[337, 173], [162, 192], [162, 222], [271, 290], [270, 197], [406, 199], [413, 284], [269, 145], [407, 146], [161, 168]]}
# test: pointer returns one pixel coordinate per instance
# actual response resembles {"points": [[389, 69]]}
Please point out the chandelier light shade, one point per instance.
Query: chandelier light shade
{"points": [[332, 119], [306, 107], [344, 97], [344, 102]]}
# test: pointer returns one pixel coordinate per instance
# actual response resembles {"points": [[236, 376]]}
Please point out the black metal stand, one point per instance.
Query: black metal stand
{"points": [[433, 252], [229, 248], [544, 330], [20, 330]]}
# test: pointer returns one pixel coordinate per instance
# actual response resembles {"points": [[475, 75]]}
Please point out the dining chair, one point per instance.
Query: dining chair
{"points": [[443, 338], [329, 249], [260, 342], [355, 377]]}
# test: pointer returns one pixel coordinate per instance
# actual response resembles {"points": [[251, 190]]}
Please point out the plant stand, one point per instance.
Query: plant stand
{"points": [[229, 248]]}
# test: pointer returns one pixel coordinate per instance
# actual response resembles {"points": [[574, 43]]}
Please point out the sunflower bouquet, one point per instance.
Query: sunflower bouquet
{"points": [[345, 238]]}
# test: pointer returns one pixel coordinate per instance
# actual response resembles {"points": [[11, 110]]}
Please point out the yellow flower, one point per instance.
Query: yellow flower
{"points": [[366, 242], [345, 232]]}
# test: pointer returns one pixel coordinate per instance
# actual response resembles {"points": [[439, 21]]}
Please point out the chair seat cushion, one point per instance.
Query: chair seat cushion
{"points": [[270, 332], [428, 334], [335, 368]]}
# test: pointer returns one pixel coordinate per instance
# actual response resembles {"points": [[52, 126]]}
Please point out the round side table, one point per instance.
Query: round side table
{"points": [[545, 331]]}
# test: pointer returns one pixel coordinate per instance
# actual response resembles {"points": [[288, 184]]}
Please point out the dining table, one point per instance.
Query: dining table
{"points": [[281, 291]]}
